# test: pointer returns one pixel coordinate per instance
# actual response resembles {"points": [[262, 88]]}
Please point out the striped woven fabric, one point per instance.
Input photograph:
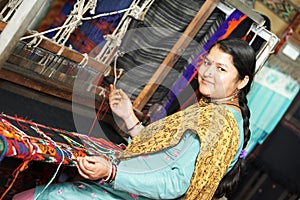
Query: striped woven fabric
{"points": [[147, 43]]}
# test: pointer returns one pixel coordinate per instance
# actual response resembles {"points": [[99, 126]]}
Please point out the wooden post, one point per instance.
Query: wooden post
{"points": [[204, 12], [17, 27]]}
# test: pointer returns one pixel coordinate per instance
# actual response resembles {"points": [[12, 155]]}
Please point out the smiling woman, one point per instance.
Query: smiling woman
{"points": [[219, 78], [217, 69], [196, 153]]}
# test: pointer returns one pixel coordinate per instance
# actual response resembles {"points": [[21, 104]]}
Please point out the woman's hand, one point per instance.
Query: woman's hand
{"points": [[93, 167], [120, 103]]}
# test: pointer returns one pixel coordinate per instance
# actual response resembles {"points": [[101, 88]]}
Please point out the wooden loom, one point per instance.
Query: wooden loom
{"points": [[64, 91], [27, 73]]}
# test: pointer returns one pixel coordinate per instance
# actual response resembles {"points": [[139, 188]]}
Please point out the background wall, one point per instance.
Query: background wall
{"points": [[280, 12]]}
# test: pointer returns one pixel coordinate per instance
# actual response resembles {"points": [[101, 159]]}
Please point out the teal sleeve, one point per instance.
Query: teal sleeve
{"points": [[160, 176]]}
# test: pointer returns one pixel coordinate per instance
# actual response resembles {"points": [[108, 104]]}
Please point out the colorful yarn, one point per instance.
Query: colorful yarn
{"points": [[48, 144], [54, 175], [18, 139], [3, 147]]}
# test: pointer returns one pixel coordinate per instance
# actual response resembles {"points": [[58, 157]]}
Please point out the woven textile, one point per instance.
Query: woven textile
{"points": [[89, 35], [286, 10], [32, 141], [148, 42]]}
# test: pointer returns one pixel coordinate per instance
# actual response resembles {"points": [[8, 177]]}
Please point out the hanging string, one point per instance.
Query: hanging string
{"points": [[54, 175], [103, 99], [116, 76], [97, 116], [21, 168], [84, 60], [105, 112], [61, 162], [36, 40], [107, 14], [48, 31], [96, 149]]}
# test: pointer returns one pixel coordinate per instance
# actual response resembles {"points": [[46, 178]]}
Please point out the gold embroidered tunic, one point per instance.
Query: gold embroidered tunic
{"points": [[218, 132]]}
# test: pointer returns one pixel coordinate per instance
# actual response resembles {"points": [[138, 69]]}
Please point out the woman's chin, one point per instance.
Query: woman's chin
{"points": [[205, 92]]}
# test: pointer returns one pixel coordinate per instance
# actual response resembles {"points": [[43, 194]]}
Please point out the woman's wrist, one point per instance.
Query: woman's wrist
{"points": [[109, 172], [112, 172], [135, 129], [131, 121]]}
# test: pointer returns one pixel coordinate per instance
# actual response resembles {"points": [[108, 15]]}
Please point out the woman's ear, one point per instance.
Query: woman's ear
{"points": [[243, 83]]}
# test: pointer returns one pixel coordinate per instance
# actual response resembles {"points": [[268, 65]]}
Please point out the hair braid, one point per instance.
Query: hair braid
{"points": [[246, 116], [244, 61], [230, 181]]}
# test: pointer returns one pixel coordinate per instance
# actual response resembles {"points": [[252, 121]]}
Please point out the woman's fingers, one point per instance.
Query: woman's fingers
{"points": [[82, 173], [86, 166], [115, 97], [122, 93], [91, 159], [92, 167], [81, 169]]}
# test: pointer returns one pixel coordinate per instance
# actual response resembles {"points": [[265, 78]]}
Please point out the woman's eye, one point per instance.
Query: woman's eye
{"points": [[207, 63], [221, 69]]}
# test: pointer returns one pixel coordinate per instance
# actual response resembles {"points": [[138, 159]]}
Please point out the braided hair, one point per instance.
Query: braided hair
{"points": [[244, 59]]}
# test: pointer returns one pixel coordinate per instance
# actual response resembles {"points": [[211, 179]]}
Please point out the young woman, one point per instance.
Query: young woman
{"points": [[192, 154]]}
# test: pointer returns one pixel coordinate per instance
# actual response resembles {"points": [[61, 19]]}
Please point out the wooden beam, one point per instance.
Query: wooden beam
{"points": [[2, 25], [204, 12], [17, 26], [83, 110], [50, 87], [71, 54], [43, 85]]}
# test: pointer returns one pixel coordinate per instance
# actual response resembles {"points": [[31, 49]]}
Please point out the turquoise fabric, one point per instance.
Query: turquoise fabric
{"points": [[271, 94], [240, 122], [158, 176], [163, 175]]}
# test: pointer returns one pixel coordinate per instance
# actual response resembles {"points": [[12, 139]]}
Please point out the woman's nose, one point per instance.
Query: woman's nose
{"points": [[209, 70]]}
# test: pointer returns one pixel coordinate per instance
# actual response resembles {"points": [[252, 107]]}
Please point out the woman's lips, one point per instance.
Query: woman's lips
{"points": [[205, 81]]}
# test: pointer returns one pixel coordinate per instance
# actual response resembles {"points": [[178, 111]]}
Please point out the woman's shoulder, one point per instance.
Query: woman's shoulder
{"points": [[236, 113]]}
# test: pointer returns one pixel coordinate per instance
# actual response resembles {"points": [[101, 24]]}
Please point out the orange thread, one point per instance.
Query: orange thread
{"points": [[23, 166], [97, 116]]}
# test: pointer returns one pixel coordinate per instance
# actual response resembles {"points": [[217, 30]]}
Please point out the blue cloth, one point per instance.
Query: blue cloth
{"points": [[271, 94]]}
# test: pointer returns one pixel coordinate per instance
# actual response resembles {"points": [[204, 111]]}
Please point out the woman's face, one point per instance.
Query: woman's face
{"points": [[217, 76]]}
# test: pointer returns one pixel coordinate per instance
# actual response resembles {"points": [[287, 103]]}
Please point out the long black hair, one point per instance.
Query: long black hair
{"points": [[244, 59]]}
